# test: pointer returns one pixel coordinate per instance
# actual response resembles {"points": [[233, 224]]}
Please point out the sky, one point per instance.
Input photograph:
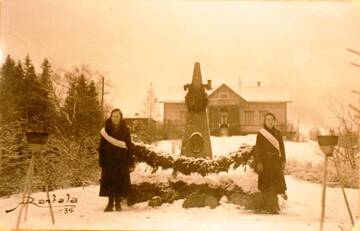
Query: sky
{"points": [[297, 45]]}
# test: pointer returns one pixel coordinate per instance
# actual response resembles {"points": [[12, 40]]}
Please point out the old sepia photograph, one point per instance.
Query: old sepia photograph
{"points": [[181, 115]]}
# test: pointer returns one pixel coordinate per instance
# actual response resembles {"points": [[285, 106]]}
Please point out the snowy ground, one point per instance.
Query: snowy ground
{"points": [[300, 212]]}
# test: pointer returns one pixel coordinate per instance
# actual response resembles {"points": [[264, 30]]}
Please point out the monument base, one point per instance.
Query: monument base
{"points": [[196, 139]]}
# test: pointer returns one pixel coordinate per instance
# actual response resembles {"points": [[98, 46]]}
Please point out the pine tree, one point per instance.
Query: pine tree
{"points": [[7, 89], [48, 114], [82, 106], [35, 97], [94, 105], [45, 77], [29, 102]]}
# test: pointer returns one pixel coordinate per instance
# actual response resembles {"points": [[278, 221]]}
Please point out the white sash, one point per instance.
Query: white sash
{"points": [[112, 140], [270, 138]]}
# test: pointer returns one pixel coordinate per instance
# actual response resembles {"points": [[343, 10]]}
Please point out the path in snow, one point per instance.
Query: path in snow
{"points": [[301, 212]]}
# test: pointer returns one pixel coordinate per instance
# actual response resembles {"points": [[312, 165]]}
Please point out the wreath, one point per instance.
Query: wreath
{"points": [[196, 99]]}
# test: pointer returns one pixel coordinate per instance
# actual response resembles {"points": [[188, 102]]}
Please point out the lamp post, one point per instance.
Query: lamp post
{"points": [[35, 141], [327, 145]]}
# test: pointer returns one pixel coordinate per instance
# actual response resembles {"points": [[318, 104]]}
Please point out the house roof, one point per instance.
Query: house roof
{"points": [[248, 93], [262, 94]]}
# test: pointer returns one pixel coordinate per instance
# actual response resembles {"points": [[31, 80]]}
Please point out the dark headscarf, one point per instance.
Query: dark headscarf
{"points": [[109, 126], [273, 116]]}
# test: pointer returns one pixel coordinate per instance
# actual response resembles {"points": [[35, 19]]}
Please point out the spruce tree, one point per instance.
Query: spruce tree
{"points": [[31, 92], [82, 106], [48, 115], [93, 105], [7, 89]]}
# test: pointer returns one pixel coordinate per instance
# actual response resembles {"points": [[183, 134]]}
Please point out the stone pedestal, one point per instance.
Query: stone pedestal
{"points": [[196, 138]]}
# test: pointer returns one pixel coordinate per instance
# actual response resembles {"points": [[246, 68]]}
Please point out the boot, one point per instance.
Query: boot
{"points": [[117, 204], [110, 205]]}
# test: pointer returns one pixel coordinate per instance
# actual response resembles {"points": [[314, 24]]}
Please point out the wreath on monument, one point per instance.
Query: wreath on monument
{"points": [[196, 99]]}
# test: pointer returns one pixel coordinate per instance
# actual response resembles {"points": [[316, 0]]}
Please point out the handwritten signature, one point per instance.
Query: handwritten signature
{"points": [[65, 204]]}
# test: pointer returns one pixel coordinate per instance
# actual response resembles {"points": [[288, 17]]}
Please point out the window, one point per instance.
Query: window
{"points": [[183, 117], [224, 94], [224, 118], [261, 116], [249, 117]]}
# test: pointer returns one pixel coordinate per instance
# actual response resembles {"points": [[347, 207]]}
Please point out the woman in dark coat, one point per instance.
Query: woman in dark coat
{"points": [[116, 160], [270, 161]]}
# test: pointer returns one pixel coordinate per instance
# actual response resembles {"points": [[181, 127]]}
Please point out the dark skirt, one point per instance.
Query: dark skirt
{"points": [[272, 178], [115, 181]]}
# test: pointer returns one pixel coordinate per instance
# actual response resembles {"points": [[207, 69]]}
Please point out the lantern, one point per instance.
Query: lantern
{"points": [[327, 144], [36, 140]]}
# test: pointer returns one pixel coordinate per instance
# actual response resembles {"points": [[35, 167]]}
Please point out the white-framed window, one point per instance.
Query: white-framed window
{"points": [[249, 117], [262, 114], [224, 118]]}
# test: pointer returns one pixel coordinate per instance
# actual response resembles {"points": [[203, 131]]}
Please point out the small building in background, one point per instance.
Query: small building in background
{"points": [[231, 112], [143, 128]]}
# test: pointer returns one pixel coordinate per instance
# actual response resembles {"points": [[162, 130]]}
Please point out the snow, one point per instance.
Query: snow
{"points": [[300, 212]]}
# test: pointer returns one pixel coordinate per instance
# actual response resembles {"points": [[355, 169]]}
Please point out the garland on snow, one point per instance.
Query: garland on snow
{"points": [[194, 195], [188, 165]]}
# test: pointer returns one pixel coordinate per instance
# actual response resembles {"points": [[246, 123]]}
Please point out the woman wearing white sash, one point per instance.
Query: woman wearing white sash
{"points": [[116, 160], [270, 161]]}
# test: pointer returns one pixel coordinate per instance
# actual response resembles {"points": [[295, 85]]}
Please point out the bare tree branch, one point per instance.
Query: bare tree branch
{"points": [[354, 108], [353, 51], [355, 64]]}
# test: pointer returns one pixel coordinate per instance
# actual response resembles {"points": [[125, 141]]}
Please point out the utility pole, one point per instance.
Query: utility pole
{"points": [[149, 120], [298, 130], [102, 100], [240, 83]]}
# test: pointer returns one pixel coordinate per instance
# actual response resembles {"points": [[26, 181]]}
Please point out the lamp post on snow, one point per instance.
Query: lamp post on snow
{"points": [[327, 145], [36, 141]]}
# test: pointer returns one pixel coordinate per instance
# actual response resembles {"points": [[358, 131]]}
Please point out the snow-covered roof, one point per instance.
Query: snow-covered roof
{"points": [[262, 94], [248, 93]]}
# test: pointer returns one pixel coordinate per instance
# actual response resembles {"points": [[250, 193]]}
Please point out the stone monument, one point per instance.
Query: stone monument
{"points": [[196, 138]]}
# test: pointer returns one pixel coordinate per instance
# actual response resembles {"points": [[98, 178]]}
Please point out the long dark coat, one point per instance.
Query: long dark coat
{"points": [[115, 162], [272, 177]]}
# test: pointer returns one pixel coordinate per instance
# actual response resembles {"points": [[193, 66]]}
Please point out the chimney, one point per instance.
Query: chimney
{"points": [[259, 83]]}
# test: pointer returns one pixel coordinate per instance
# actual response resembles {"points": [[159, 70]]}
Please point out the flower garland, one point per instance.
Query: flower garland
{"points": [[188, 165]]}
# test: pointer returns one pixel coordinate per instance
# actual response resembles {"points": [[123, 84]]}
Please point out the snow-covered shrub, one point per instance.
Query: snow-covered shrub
{"points": [[15, 157], [64, 162], [314, 172]]}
